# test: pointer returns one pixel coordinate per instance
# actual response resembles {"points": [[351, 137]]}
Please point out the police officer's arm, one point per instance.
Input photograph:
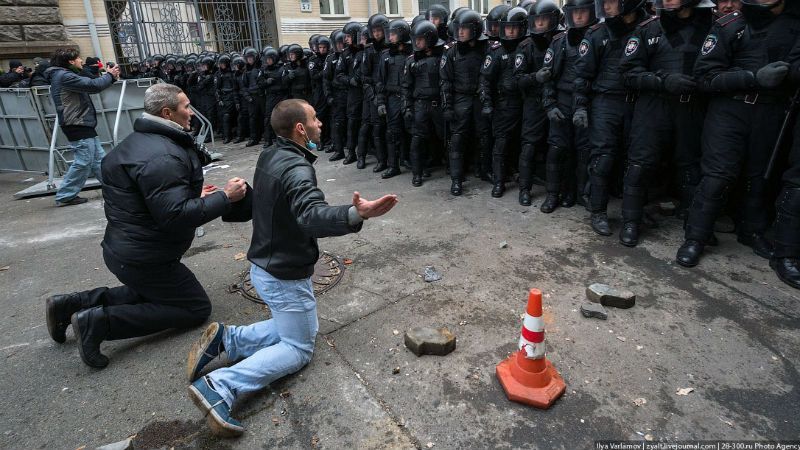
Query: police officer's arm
{"points": [[367, 68], [327, 76], [316, 71], [713, 66], [340, 73], [589, 53], [794, 60], [447, 78], [488, 80], [380, 87], [217, 87], [635, 62], [554, 61], [524, 67], [407, 85], [204, 82]]}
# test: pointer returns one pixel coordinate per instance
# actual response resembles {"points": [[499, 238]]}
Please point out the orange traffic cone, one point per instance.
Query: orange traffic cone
{"points": [[527, 376]]}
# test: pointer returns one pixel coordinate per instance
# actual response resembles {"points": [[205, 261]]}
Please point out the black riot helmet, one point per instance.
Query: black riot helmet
{"points": [[180, 62], [514, 24], [351, 31], [492, 25], [398, 32], [758, 13], [527, 4], [170, 62], [579, 13], [452, 25], [282, 52], [364, 37], [375, 23], [191, 62], [264, 50], [338, 41], [250, 52], [417, 19], [323, 42], [273, 55], [608, 9], [157, 60], [239, 62], [425, 36], [208, 62], [437, 15], [312, 42], [544, 17], [294, 53], [225, 59], [470, 27]]}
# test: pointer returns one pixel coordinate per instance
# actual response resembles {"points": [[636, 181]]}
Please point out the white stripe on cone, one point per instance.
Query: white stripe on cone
{"points": [[533, 350]]}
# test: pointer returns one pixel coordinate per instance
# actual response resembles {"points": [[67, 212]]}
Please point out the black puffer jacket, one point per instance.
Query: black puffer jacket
{"points": [[291, 213], [151, 186]]}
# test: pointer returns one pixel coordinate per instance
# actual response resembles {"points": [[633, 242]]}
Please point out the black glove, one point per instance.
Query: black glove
{"points": [[238, 106], [678, 83], [408, 114], [772, 75], [290, 74], [270, 81], [487, 111], [543, 75], [354, 82], [382, 110], [221, 103], [555, 114], [448, 114], [580, 118]]}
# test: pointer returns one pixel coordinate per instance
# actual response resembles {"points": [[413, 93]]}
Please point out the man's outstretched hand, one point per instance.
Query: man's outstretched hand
{"points": [[366, 208]]}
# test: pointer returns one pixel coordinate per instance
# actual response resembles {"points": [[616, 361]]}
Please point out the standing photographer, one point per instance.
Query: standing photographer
{"points": [[15, 74], [77, 118]]}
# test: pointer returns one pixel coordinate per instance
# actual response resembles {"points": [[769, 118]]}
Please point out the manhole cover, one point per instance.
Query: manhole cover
{"points": [[328, 271]]}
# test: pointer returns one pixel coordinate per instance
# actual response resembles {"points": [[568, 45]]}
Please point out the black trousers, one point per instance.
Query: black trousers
{"points": [[395, 130], [609, 131], [471, 136], [506, 130], [533, 133], [737, 141], [244, 119], [787, 205], [151, 299], [427, 129], [256, 109], [568, 156]]}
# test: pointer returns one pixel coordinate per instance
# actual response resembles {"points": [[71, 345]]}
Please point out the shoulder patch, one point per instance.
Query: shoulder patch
{"points": [[487, 62], [709, 44], [311, 65], [442, 61], [632, 46], [496, 45], [548, 56], [583, 48], [728, 19], [518, 61]]}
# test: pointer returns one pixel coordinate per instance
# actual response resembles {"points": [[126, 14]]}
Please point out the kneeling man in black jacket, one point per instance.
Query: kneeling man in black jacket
{"points": [[154, 200], [289, 213]]}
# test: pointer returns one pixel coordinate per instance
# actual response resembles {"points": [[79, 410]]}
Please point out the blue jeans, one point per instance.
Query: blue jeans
{"points": [[88, 154], [273, 348]]}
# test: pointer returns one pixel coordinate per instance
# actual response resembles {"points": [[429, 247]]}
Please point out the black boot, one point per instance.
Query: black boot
{"points": [[361, 164], [227, 140], [498, 189], [239, 140], [629, 234], [550, 203], [351, 157], [416, 180], [390, 172], [380, 167], [788, 270], [91, 328], [251, 143], [525, 197], [456, 188], [336, 156], [568, 200], [760, 245], [58, 311], [600, 224], [689, 253]]}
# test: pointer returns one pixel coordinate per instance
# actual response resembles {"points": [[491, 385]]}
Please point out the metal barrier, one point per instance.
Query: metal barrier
{"points": [[24, 137]]}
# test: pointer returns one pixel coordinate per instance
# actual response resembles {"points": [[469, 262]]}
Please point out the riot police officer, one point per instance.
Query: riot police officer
{"points": [[544, 19], [374, 126], [568, 153], [318, 98], [500, 95], [460, 72], [388, 88], [348, 74], [296, 77], [226, 94], [271, 80], [437, 15], [422, 95], [658, 61], [493, 23], [242, 106], [598, 82], [744, 60], [337, 91], [254, 96], [205, 96]]}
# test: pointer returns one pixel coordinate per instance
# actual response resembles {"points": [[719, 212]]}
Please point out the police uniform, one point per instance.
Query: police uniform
{"points": [[373, 127], [389, 95], [348, 77]]}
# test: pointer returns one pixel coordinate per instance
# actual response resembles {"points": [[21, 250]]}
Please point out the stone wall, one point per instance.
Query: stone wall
{"points": [[30, 28]]}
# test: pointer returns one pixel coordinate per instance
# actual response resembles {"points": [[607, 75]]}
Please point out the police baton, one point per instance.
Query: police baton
{"points": [[791, 113]]}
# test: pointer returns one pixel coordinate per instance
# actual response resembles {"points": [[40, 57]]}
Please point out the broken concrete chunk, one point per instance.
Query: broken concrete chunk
{"points": [[609, 296], [431, 274], [430, 341], [594, 310]]}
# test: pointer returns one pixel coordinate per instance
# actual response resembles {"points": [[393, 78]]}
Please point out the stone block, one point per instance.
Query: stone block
{"points": [[29, 14], [430, 341], [10, 33], [609, 296], [44, 32], [594, 310], [37, 2]]}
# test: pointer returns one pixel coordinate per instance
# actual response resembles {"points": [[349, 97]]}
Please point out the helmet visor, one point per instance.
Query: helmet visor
{"points": [[670, 5], [580, 17], [542, 23], [606, 9], [420, 43], [512, 30], [492, 28], [466, 32]]}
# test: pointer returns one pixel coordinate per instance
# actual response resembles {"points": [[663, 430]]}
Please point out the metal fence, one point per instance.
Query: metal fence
{"points": [[142, 28]]}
